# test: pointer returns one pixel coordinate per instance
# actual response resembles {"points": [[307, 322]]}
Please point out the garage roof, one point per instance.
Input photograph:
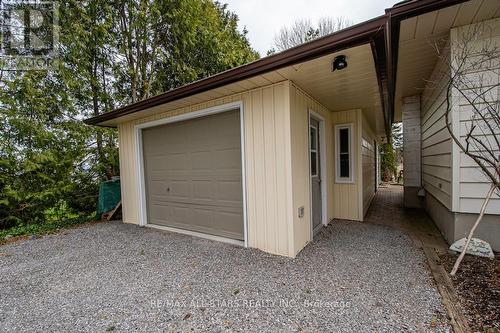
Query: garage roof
{"points": [[382, 32]]}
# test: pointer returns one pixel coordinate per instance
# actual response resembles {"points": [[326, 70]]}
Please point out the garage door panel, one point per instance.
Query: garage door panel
{"points": [[157, 187], [160, 212], [203, 189], [229, 191], [178, 189], [170, 189], [206, 189], [193, 175], [232, 220], [218, 204], [169, 162], [211, 220], [228, 159], [202, 160]]}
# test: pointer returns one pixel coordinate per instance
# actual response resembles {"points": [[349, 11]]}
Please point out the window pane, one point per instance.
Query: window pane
{"points": [[314, 164], [344, 166], [313, 138], [344, 140]]}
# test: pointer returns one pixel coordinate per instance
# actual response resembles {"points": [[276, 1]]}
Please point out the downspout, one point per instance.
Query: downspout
{"points": [[390, 39]]}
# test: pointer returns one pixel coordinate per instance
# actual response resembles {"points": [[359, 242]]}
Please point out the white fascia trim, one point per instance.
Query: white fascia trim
{"points": [[192, 115]]}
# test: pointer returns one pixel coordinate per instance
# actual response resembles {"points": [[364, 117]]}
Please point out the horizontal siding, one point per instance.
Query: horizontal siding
{"points": [[436, 160], [472, 184], [442, 135], [436, 141], [368, 164], [412, 141]]}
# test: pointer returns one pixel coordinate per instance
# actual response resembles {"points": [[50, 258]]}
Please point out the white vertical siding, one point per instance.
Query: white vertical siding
{"points": [[345, 201], [471, 184], [267, 165], [276, 164], [300, 104], [128, 173], [436, 141], [348, 197]]}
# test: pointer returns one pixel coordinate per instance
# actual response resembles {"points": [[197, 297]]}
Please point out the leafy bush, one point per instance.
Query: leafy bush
{"points": [[42, 229], [51, 164], [388, 162]]}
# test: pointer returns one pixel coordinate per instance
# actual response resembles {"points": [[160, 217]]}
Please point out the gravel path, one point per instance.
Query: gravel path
{"points": [[116, 277]]}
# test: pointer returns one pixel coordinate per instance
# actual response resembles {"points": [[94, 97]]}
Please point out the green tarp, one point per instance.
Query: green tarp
{"points": [[109, 196]]}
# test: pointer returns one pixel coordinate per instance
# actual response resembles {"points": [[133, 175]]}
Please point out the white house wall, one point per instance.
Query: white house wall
{"points": [[471, 185], [368, 164], [436, 140]]}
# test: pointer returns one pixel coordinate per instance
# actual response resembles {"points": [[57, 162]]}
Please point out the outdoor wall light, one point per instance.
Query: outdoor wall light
{"points": [[339, 63]]}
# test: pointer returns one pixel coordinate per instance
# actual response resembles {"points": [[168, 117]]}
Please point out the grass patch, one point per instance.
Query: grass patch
{"points": [[42, 229]]}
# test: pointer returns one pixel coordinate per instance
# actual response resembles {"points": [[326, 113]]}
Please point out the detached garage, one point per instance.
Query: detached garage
{"points": [[250, 156], [266, 153], [193, 174]]}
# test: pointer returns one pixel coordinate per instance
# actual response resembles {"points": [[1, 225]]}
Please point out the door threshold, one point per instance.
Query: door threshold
{"points": [[318, 229], [198, 234]]}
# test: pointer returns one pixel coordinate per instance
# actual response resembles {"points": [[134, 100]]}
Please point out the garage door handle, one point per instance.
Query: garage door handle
{"points": [[168, 189]]}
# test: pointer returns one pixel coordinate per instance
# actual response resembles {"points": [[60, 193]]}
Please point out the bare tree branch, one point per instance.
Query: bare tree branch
{"points": [[303, 31], [471, 62]]}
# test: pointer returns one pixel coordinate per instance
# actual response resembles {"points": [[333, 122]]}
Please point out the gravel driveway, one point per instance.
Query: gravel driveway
{"points": [[116, 277]]}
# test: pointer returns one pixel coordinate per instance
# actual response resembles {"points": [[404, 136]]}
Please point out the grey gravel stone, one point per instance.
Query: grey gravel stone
{"points": [[353, 278]]}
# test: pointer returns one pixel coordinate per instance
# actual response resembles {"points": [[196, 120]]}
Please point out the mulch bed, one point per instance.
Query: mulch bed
{"points": [[477, 283]]}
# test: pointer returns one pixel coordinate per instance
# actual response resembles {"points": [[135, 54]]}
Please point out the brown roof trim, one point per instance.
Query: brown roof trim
{"points": [[409, 9], [355, 35], [396, 14], [352, 36], [379, 57]]}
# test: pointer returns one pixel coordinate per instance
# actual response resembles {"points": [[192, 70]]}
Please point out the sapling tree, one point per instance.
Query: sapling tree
{"points": [[472, 107]]}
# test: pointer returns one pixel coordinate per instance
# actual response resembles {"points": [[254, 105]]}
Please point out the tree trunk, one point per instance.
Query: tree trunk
{"points": [[95, 103]]}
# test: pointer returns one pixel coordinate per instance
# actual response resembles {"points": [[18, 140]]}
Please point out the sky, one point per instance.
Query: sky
{"points": [[264, 18]]}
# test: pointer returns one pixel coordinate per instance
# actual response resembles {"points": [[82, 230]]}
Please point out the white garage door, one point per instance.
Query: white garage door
{"points": [[193, 175]]}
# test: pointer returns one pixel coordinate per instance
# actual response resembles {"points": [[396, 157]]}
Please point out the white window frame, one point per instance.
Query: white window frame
{"points": [[338, 179]]}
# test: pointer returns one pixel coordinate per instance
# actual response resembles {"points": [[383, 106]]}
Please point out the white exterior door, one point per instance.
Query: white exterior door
{"points": [[315, 168]]}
